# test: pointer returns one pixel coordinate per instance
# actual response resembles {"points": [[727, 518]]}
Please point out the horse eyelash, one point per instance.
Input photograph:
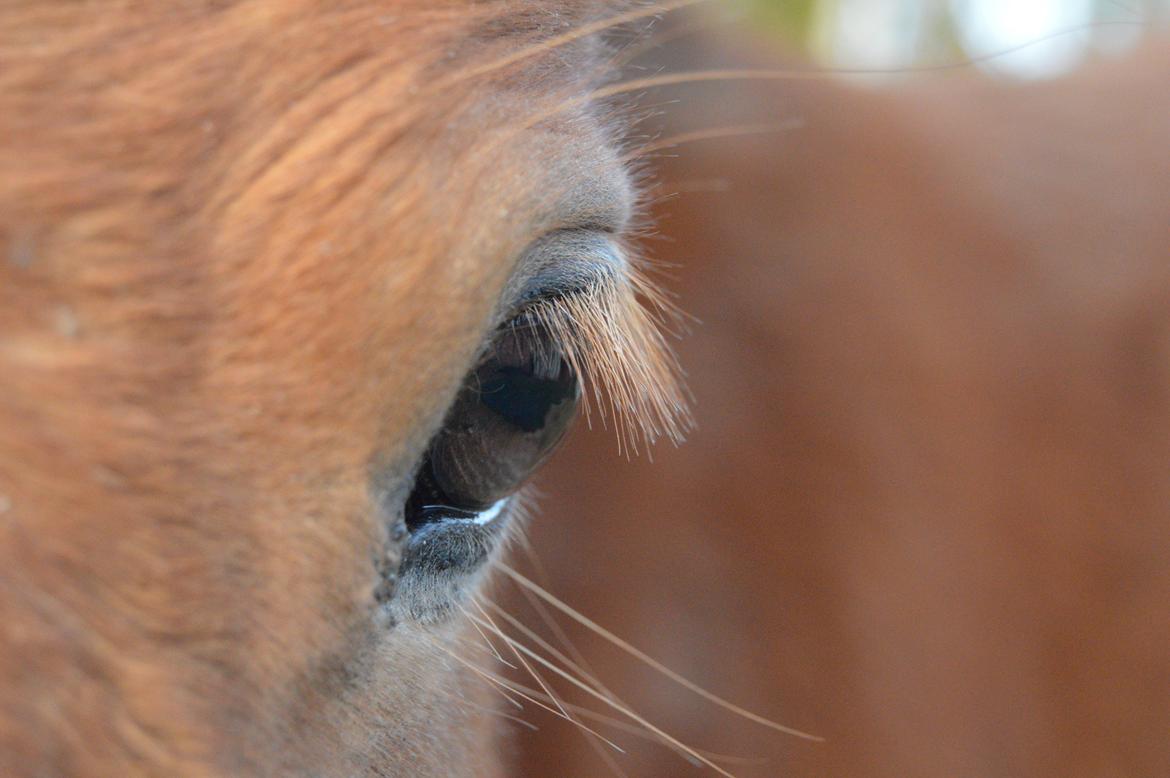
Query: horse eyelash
{"points": [[613, 334]]}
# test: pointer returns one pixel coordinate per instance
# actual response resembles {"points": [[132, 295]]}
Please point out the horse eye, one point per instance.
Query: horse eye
{"points": [[510, 414]]}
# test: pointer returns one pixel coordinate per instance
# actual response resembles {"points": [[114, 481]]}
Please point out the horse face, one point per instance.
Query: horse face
{"points": [[295, 300]]}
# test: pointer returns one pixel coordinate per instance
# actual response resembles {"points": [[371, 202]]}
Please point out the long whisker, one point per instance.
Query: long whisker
{"points": [[649, 660], [575, 34], [732, 131], [646, 732], [547, 617], [794, 74], [509, 698], [531, 670], [552, 695], [613, 698], [491, 646], [496, 680], [661, 38], [642, 733], [788, 74], [556, 654], [580, 663], [622, 709], [460, 700], [516, 719]]}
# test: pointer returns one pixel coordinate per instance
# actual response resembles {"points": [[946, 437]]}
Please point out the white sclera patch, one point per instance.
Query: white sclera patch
{"points": [[488, 516]]}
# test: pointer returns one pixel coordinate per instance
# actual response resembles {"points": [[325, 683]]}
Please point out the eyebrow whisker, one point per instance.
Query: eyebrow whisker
{"points": [[579, 32]]}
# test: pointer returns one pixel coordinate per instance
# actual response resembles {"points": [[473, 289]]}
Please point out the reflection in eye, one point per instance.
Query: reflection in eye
{"points": [[510, 414]]}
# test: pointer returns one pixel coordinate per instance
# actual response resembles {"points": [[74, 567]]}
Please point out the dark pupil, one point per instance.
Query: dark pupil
{"points": [[509, 416], [522, 399]]}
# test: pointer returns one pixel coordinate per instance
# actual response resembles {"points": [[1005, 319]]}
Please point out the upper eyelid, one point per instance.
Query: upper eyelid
{"points": [[565, 262], [561, 263]]}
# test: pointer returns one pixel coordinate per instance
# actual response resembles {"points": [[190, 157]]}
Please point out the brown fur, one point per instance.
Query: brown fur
{"points": [[250, 249]]}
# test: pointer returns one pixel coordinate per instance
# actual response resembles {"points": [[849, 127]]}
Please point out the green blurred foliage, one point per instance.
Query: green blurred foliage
{"points": [[791, 19], [931, 31]]}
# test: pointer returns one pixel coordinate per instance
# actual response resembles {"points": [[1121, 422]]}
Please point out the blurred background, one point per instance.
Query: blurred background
{"points": [[925, 515], [1010, 38]]}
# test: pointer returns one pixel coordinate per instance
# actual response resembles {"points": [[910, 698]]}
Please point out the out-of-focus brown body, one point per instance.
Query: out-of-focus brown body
{"points": [[926, 514]]}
